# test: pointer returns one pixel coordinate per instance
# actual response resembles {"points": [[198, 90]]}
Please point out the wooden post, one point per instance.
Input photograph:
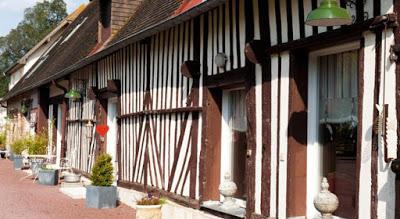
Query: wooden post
{"points": [[297, 134], [43, 109]]}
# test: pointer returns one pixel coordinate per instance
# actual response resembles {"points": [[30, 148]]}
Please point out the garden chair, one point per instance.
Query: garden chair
{"points": [[34, 165]]}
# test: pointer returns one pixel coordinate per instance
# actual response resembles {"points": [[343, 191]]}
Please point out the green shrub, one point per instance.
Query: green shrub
{"points": [[19, 145], [38, 144], [102, 172], [3, 139]]}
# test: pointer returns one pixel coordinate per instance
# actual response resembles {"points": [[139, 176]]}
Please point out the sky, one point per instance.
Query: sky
{"points": [[12, 12]]}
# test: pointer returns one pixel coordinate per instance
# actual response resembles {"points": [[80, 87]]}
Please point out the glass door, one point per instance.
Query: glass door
{"points": [[337, 125]]}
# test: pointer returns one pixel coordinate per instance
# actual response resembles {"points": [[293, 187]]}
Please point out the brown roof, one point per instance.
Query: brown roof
{"points": [[148, 14], [152, 16], [75, 44]]}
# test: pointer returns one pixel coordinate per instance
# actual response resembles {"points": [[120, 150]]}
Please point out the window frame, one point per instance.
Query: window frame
{"points": [[314, 164]]}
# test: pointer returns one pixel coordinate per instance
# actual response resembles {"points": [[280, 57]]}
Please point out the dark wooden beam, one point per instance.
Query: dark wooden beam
{"points": [[227, 79], [210, 154], [254, 51], [351, 32], [43, 109], [114, 86], [297, 134], [92, 93], [64, 110], [56, 99], [59, 86], [190, 69], [163, 111]]}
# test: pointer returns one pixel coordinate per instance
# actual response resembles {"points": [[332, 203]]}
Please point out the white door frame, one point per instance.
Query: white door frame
{"points": [[226, 141], [111, 145], [59, 134], [314, 149]]}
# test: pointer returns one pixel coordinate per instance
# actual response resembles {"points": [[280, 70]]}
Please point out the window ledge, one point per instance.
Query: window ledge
{"points": [[216, 207]]}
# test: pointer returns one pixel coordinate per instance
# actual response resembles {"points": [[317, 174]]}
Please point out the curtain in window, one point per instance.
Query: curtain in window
{"points": [[338, 88], [237, 121]]}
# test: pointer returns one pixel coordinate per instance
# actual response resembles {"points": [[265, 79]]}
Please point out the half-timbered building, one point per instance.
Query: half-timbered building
{"points": [[192, 90], [23, 114]]}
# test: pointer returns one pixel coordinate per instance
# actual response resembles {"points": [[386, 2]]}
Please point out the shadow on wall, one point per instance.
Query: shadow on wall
{"points": [[296, 127]]}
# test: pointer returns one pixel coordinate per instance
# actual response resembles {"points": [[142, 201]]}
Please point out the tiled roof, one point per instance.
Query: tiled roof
{"points": [[74, 45], [148, 14], [81, 49]]}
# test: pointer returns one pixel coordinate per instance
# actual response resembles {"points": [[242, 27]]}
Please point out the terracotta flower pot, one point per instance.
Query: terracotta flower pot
{"points": [[148, 211]]}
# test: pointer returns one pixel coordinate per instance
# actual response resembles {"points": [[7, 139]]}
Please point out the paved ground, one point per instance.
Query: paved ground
{"points": [[25, 199]]}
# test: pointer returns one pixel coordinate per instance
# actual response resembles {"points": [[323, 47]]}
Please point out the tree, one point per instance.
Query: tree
{"points": [[38, 21]]}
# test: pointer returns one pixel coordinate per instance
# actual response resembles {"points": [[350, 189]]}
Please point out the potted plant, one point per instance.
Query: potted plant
{"points": [[37, 144], [149, 207], [3, 145], [101, 194], [48, 176], [18, 146]]}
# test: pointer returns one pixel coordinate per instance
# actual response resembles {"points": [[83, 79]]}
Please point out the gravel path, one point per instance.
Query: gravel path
{"points": [[25, 199]]}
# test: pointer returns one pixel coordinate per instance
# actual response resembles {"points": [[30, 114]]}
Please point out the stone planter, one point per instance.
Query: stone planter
{"points": [[72, 178], [48, 177], [11, 156], [148, 212], [18, 162], [101, 197]]}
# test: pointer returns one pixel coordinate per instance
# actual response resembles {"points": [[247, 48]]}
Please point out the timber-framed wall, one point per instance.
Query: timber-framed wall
{"points": [[165, 121]]}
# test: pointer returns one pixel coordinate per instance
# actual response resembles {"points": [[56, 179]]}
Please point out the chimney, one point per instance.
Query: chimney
{"points": [[104, 20], [114, 14]]}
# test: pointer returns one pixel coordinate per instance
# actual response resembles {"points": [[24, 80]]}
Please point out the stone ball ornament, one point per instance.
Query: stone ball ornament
{"points": [[326, 202], [228, 189]]}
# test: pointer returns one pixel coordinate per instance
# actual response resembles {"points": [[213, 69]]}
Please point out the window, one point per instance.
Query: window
{"points": [[234, 139], [338, 98]]}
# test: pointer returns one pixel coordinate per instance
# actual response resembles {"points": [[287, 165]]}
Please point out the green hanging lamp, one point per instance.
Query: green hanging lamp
{"points": [[73, 94], [24, 108], [329, 14]]}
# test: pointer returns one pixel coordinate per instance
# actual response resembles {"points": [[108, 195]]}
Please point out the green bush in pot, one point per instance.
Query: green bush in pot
{"points": [[17, 147], [38, 144], [3, 140], [102, 172], [101, 194]]}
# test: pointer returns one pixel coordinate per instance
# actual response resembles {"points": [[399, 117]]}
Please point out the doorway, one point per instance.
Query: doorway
{"points": [[111, 147], [59, 134], [332, 125], [234, 141]]}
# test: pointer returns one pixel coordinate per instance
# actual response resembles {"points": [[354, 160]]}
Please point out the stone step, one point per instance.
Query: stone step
{"points": [[74, 192]]}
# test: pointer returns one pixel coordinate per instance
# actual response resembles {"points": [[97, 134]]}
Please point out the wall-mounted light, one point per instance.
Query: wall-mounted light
{"points": [[329, 13], [220, 60], [73, 94], [24, 108], [25, 105]]}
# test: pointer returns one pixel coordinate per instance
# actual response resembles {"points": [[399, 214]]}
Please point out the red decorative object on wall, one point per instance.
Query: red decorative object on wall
{"points": [[102, 130]]}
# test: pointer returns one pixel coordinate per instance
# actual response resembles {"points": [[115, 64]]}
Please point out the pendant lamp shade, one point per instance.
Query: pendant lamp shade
{"points": [[329, 14], [73, 94]]}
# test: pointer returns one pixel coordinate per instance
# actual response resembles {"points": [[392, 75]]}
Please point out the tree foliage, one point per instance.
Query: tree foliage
{"points": [[38, 21], [102, 172]]}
